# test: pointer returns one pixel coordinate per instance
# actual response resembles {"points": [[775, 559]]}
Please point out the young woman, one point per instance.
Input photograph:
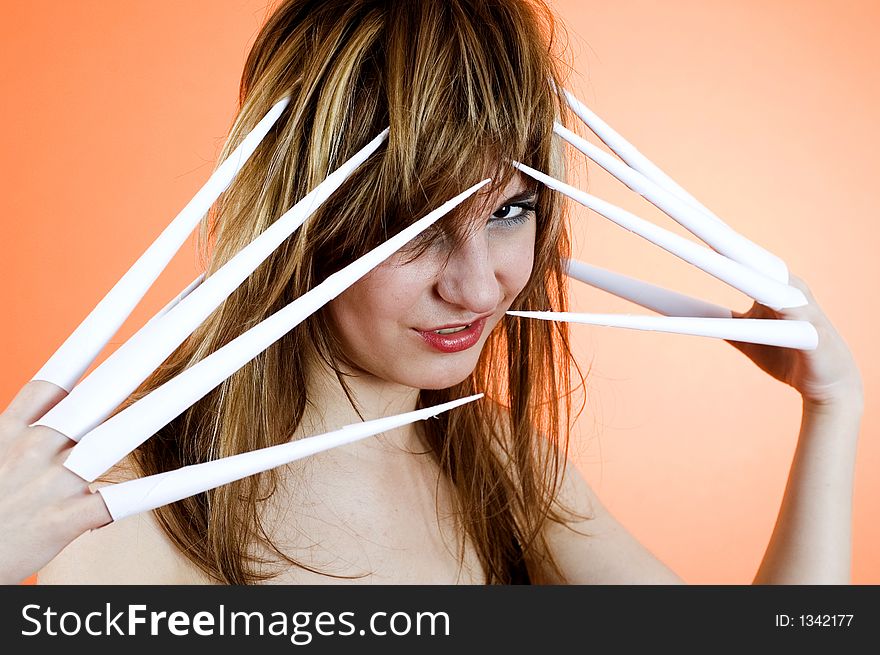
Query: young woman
{"points": [[482, 494]]}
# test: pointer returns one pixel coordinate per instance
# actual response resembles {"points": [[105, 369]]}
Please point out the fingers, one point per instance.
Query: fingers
{"points": [[811, 312], [650, 296], [109, 442], [94, 399], [798, 283], [26, 454], [756, 285], [79, 350], [92, 512], [148, 493], [788, 334], [33, 400], [710, 229], [43, 506]]}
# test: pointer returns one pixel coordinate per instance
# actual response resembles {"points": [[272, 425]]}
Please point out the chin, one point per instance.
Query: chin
{"points": [[443, 376], [435, 385]]}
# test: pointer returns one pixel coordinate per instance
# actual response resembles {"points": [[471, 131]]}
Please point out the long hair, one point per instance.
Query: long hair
{"points": [[466, 87]]}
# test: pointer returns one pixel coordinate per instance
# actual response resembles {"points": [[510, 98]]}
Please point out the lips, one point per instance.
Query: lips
{"points": [[454, 338], [453, 326]]}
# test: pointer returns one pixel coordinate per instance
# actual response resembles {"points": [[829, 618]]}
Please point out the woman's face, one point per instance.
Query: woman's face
{"points": [[422, 323]]}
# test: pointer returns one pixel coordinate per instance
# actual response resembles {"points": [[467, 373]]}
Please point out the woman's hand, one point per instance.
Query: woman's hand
{"points": [[825, 376], [43, 506], [812, 539]]}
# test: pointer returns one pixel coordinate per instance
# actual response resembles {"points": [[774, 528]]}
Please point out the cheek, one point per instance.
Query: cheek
{"points": [[383, 296], [515, 257]]}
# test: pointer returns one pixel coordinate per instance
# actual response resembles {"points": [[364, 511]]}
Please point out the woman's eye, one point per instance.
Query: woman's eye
{"points": [[513, 214]]}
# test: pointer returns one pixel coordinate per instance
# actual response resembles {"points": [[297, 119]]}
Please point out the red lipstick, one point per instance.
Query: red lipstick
{"points": [[456, 341]]}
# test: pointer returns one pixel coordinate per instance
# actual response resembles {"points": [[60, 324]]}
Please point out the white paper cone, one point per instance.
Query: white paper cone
{"points": [[79, 350], [756, 285], [630, 154], [718, 235], [95, 398], [109, 442], [143, 494], [772, 332], [650, 296], [174, 301], [764, 260]]}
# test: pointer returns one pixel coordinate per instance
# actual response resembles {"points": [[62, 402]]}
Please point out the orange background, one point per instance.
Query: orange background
{"points": [[113, 114]]}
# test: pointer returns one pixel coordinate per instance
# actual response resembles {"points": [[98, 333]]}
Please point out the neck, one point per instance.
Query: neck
{"points": [[329, 407]]}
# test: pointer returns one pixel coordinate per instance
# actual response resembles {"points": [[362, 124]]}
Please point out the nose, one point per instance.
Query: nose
{"points": [[469, 280]]}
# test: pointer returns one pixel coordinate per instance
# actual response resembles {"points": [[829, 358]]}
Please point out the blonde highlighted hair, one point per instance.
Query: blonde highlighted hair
{"points": [[463, 85]]}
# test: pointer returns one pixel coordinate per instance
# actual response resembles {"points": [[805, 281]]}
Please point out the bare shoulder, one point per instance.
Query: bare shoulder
{"points": [[589, 545], [594, 547], [134, 550]]}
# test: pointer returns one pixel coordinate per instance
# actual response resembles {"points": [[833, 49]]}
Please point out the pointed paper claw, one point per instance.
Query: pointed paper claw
{"points": [[79, 350], [713, 232], [180, 296], [143, 494], [772, 332], [93, 399], [109, 442], [756, 285], [761, 260], [649, 296], [630, 154]]}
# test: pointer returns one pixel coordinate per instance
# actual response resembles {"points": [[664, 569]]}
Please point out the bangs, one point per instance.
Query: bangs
{"points": [[466, 86], [466, 89], [468, 93]]}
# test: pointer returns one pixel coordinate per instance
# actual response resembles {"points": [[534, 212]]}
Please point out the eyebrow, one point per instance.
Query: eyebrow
{"points": [[528, 194]]}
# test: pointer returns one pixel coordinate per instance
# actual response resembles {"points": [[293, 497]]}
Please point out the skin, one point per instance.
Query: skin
{"points": [[811, 542], [355, 502], [375, 320], [377, 317]]}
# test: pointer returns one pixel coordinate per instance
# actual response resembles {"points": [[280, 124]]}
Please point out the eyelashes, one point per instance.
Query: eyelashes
{"points": [[514, 213]]}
